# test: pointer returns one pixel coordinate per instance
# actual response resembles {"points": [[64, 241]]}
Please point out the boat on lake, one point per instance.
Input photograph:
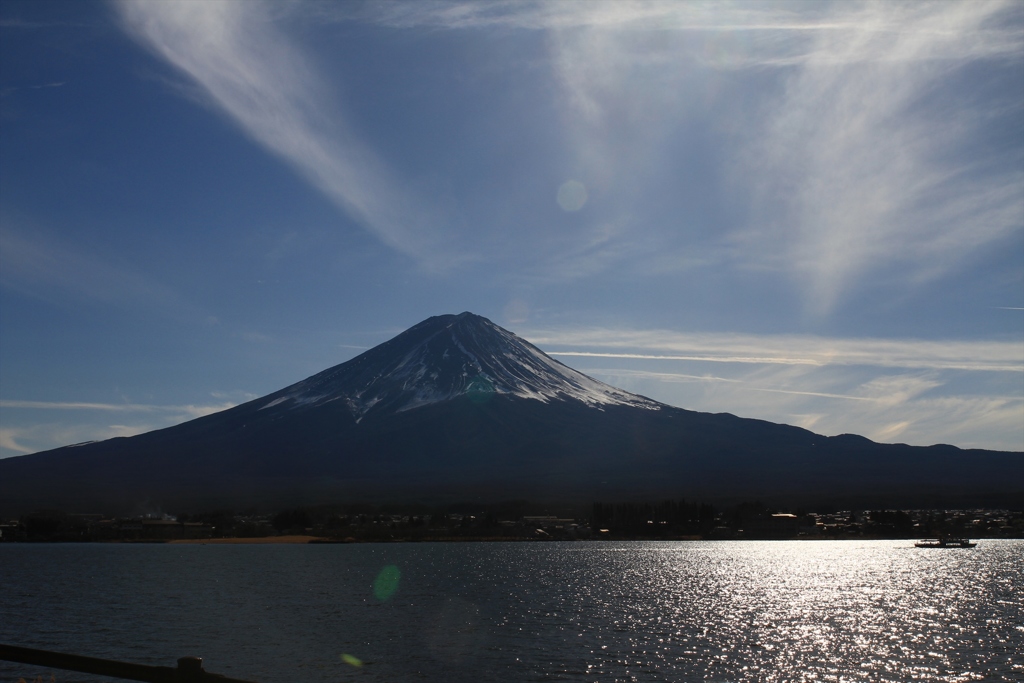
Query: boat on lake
{"points": [[945, 543]]}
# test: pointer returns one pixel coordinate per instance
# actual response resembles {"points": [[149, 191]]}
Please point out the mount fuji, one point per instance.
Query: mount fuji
{"points": [[444, 358], [459, 409]]}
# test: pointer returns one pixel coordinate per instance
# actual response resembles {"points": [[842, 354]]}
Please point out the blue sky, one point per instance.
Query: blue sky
{"points": [[810, 213]]}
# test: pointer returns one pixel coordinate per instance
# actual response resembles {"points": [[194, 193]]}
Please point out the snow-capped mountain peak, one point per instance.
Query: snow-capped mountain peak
{"points": [[445, 357]]}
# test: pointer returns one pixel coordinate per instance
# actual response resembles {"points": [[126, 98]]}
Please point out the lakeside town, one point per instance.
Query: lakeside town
{"points": [[668, 520]]}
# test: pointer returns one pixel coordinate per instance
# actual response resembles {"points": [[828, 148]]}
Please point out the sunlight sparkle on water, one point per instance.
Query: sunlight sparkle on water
{"points": [[603, 612]]}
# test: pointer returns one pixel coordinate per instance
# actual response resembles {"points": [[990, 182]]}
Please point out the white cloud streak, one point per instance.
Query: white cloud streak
{"points": [[680, 377], [45, 436], [238, 54], [597, 14], [186, 411], [780, 360], [920, 392], [89, 424], [8, 441], [988, 356], [920, 408]]}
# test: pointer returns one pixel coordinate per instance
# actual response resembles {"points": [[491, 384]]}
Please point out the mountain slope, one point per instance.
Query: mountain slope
{"points": [[457, 408]]}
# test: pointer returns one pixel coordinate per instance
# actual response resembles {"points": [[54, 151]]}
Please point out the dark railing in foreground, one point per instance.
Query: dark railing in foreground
{"points": [[189, 669]]}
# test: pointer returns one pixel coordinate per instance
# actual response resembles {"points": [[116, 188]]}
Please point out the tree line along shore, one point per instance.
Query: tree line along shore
{"points": [[513, 521]]}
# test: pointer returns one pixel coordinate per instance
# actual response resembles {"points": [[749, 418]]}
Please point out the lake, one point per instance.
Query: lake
{"points": [[584, 611]]}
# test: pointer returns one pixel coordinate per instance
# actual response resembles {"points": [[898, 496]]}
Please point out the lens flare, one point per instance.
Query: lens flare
{"points": [[351, 660], [572, 195], [480, 390], [386, 583]]}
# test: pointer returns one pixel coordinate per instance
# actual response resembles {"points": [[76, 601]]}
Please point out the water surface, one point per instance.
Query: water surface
{"points": [[639, 611]]}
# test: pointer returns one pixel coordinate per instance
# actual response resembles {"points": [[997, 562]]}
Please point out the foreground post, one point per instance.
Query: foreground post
{"points": [[189, 669]]}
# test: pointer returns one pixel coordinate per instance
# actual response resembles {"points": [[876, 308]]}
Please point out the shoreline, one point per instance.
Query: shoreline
{"points": [[325, 540], [256, 540]]}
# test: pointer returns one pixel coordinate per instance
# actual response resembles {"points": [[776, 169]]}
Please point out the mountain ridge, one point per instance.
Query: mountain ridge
{"points": [[458, 408]]}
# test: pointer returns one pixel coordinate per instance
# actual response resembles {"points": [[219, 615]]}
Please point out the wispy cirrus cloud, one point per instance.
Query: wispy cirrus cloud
{"points": [[663, 15], [265, 83], [917, 391], [9, 441], [988, 356], [43, 436], [4, 92], [876, 156], [858, 144], [186, 411], [40, 431], [837, 169], [866, 152], [978, 410], [675, 377]]}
